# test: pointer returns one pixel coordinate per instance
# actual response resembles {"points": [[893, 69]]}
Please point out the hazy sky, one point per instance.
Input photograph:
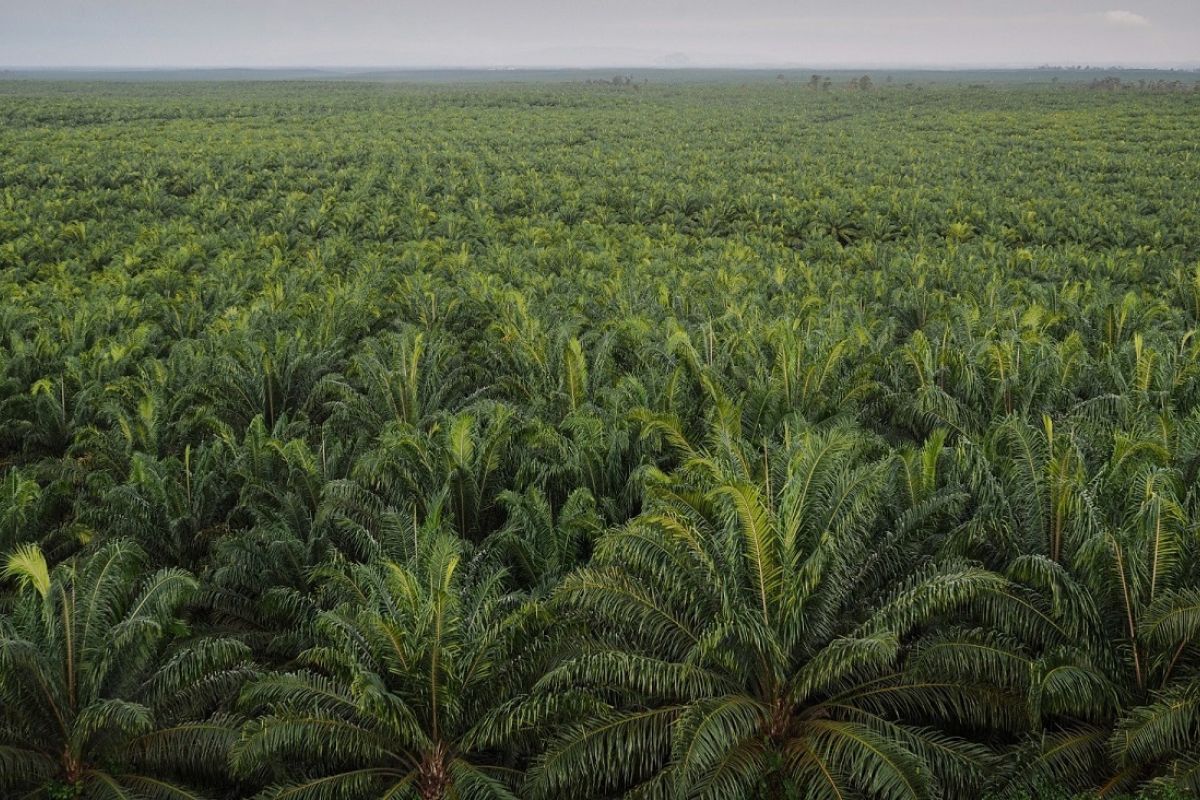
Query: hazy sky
{"points": [[599, 32]]}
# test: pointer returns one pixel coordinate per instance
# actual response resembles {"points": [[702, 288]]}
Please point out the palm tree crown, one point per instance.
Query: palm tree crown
{"points": [[742, 647], [410, 691], [96, 701]]}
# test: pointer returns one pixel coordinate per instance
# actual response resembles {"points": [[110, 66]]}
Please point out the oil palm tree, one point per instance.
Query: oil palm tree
{"points": [[540, 546], [412, 689], [467, 458], [749, 634], [1103, 558], [96, 699]]}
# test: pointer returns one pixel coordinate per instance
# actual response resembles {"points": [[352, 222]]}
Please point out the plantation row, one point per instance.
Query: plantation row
{"points": [[365, 441]]}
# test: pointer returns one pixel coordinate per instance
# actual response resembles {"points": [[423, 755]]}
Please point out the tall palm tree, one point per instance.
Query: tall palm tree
{"points": [[412, 689], [95, 701], [749, 634], [1103, 557]]}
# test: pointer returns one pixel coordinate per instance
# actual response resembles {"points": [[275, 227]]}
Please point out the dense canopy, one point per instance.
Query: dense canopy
{"points": [[778, 440]]}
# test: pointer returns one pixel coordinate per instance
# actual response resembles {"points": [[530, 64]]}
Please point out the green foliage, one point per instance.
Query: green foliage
{"points": [[414, 686], [99, 695], [569, 441], [748, 632]]}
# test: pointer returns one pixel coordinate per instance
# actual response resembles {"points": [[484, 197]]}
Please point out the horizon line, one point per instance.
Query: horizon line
{"points": [[736, 66]]}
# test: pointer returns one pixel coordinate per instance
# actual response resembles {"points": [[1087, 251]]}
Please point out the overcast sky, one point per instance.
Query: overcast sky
{"points": [[597, 32]]}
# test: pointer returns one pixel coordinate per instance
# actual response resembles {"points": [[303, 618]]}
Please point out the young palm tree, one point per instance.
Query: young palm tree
{"points": [[465, 458], [412, 690], [94, 702], [538, 546], [749, 637]]}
